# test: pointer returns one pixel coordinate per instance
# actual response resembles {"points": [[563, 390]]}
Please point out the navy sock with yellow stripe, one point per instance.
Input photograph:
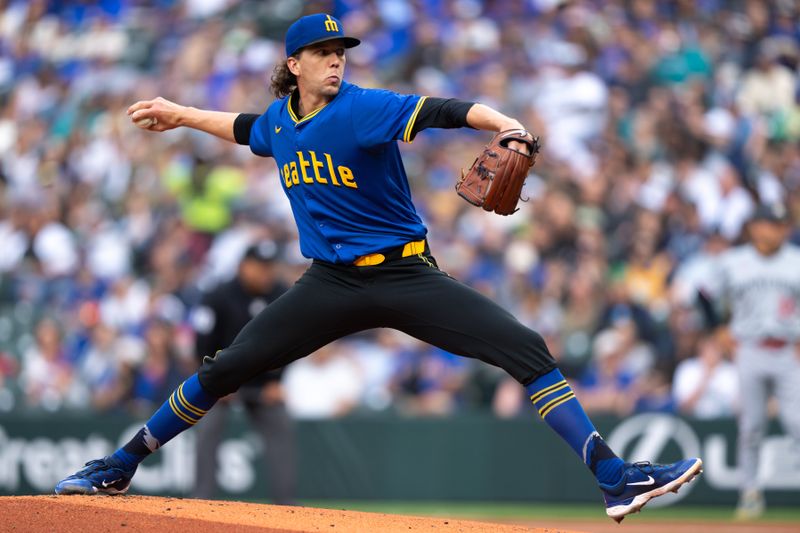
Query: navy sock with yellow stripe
{"points": [[183, 409], [553, 398]]}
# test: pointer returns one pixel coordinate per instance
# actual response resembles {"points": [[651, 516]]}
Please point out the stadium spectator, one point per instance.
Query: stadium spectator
{"points": [[607, 381], [107, 367], [326, 384], [47, 377], [706, 386], [660, 122], [429, 381], [160, 371], [653, 392]]}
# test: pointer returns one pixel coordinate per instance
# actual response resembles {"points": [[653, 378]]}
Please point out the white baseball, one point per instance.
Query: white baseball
{"points": [[145, 123]]}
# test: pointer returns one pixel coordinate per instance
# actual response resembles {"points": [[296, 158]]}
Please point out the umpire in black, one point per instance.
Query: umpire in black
{"points": [[222, 314]]}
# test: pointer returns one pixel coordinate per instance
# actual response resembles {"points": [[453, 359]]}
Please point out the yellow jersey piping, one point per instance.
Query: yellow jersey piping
{"points": [[412, 120], [308, 116]]}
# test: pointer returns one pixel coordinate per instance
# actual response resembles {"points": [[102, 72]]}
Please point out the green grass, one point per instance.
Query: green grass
{"points": [[524, 511]]}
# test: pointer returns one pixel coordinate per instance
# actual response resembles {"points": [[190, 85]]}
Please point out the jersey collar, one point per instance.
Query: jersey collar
{"points": [[292, 101]]}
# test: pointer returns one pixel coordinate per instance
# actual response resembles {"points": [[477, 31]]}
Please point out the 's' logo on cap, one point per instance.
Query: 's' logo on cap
{"points": [[330, 24]]}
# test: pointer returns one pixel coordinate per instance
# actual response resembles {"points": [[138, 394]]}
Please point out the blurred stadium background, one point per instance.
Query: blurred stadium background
{"points": [[659, 118]]}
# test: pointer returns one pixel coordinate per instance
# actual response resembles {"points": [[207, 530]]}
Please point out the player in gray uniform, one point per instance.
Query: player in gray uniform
{"points": [[760, 285]]}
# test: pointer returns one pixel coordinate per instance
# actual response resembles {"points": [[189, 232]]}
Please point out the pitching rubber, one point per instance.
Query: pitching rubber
{"points": [[619, 512]]}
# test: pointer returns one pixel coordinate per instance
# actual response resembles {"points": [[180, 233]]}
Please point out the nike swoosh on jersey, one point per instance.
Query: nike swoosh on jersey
{"points": [[107, 483], [278, 129], [649, 481]]}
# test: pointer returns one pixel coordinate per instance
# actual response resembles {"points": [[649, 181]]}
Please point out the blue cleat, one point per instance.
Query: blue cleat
{"points": [[643, 481], [101, 476]]}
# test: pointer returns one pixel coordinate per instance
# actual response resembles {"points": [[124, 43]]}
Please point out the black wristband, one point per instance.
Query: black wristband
{"points": [[242, 126]]}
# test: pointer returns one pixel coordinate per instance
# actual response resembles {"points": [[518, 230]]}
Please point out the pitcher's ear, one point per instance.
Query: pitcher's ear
{"points": [[293, 64]]}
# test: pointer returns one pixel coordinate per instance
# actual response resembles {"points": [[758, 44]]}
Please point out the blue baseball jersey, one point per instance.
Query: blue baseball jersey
{"points": [[341, 170]]}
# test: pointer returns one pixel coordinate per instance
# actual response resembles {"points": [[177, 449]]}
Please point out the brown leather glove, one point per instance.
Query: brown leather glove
{"points": [[495, 179]]}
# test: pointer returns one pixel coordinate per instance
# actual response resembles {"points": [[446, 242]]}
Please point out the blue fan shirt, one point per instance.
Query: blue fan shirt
{"points": [[340, 167]]}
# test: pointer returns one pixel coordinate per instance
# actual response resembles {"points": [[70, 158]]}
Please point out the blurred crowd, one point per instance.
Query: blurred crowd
{"points": [[661, 122]]}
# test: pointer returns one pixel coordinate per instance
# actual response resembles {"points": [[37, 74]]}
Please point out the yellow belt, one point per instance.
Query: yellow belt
{"points": [[409, 249]]}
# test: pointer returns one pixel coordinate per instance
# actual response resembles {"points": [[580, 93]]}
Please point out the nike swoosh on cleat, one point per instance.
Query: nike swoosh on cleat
{"points": [[649, 481], [107, 483]]}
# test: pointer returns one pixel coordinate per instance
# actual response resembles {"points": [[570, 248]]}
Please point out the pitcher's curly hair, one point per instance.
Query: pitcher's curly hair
{"points": [[283, 82]]}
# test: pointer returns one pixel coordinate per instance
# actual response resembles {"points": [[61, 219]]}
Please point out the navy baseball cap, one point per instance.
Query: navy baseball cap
{"points": [[776, 212], [316, 28]]}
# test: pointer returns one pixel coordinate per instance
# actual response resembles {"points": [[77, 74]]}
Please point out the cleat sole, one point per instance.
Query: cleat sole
{"points": [[621, 511], [93, 491]]}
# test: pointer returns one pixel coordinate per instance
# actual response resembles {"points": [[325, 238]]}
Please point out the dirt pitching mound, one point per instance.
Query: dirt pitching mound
{"points": [[99, 514]]}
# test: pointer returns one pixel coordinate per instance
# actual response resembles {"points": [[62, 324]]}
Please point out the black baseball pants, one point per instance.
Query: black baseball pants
{"points": [[408, 294]]}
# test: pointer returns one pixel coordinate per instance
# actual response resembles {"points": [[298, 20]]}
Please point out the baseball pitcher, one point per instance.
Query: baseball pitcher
{"points": [[335, 145]]}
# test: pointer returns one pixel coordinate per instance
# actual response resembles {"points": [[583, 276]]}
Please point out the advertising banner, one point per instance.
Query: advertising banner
{"points": [[474, 457]]}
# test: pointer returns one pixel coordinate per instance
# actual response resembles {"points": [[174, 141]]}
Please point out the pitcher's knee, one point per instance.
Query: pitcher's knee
{"points": [[535, 342], [533, 345], [526, 356], [219, 375]]}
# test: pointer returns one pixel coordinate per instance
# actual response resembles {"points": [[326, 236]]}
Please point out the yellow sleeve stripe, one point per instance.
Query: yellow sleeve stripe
{"points": [[544, 411], [552, 388], [410, 124], [189, 407], [178, 412]]}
